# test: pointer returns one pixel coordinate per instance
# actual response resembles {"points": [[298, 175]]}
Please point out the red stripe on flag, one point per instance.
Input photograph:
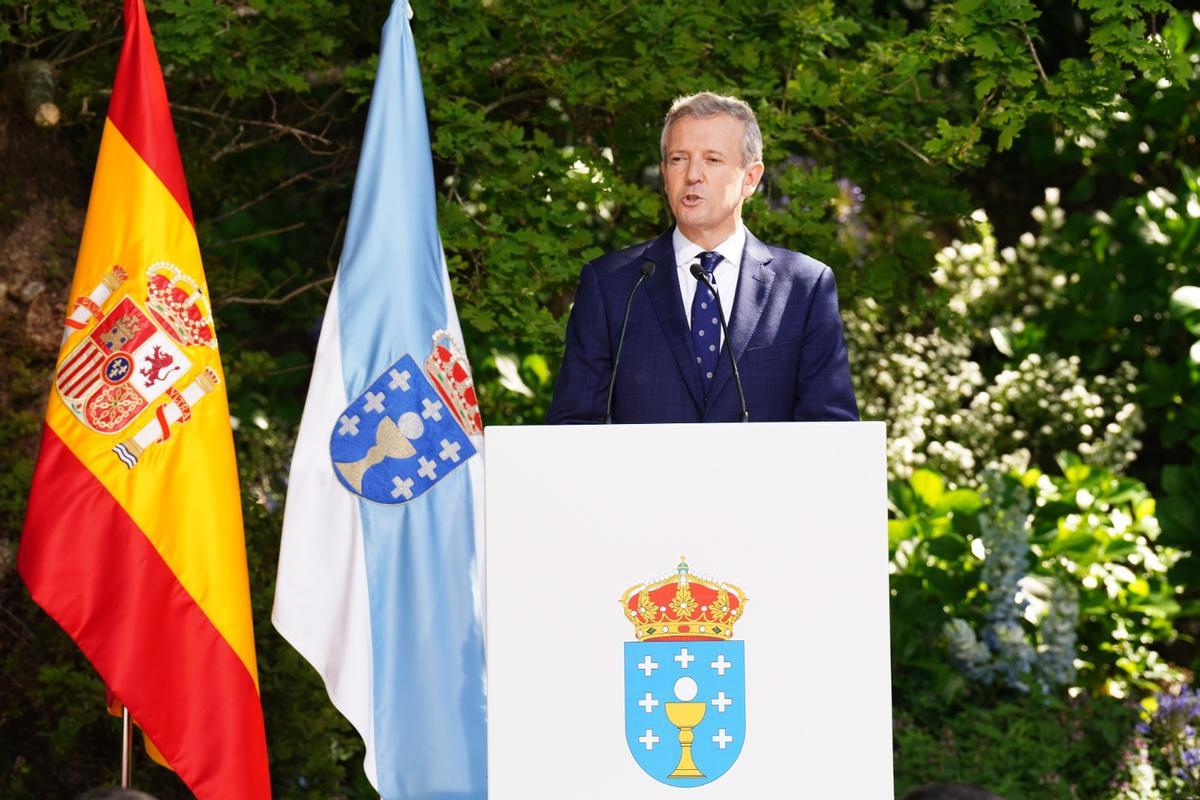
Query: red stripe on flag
{"points": [[86, 353], [70, 370], [91, 568], [85, 373], [139, 106], [78, 391], [77, 387], [85, 382]]}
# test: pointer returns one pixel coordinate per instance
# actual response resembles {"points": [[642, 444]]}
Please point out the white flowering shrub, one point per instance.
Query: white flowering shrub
{"points": [[946, 412]]}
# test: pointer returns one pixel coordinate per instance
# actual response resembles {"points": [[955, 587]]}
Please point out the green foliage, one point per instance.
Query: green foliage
{"points": [[1088, 531], [1102, 531], [886, 125], [1023, 747], [1039, 715]]}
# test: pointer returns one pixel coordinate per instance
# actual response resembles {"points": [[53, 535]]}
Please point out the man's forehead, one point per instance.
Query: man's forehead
{"points": [[719, 132]]}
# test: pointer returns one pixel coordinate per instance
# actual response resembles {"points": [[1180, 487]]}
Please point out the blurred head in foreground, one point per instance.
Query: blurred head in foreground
{"points": [[112, 793]]}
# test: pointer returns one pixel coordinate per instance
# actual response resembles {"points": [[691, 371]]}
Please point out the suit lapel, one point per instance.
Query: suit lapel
{"points": [[753, 291], [664, 291]]}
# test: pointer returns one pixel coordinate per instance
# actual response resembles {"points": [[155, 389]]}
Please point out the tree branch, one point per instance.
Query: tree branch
{"points": [[1033, 52], [914, 151], [58, 62], [255, 201], [260, 235], [278, 127], [276, 301]]}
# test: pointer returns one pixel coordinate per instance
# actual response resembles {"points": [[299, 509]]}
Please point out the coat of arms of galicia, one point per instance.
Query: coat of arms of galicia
{"points": [[409, 428], [136, 353], [685, 678]]}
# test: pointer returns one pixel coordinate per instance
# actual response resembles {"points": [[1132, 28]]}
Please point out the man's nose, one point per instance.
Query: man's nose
{"points": [[695, 171]]}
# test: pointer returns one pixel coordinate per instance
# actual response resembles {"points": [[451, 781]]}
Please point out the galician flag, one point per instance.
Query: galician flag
{"points": [[133, 534], [378, 581]]}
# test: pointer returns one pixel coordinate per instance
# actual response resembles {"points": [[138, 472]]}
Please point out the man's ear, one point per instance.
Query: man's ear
{"points": [[753, 176]]}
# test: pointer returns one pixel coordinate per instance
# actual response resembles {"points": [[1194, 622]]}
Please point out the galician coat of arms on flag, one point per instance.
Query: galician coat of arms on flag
{"points": [[685, 678], [409, 428], [380, 572]]}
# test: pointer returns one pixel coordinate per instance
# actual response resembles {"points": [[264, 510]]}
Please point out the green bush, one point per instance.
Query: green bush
{"points": [[1026, 618], [1039, 583], [1021, 748]]}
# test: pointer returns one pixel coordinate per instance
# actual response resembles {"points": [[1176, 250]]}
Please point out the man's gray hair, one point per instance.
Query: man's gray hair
{"points": [[708, 104]]}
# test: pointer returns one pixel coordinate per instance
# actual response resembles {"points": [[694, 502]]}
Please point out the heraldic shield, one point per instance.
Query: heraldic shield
{"points": [[140, 353], [685, 679], [409, 428]]}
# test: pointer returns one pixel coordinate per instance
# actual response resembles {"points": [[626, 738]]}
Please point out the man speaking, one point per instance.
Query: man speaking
{"points": [[648, 339]]}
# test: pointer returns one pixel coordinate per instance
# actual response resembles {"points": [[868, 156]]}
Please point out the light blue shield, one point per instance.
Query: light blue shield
{"points": [[671, 685], [397, 438]]}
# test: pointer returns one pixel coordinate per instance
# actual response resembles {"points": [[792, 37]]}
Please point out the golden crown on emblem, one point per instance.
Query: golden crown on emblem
{"points": [[683, 607], [448, 368], [176, 300]]}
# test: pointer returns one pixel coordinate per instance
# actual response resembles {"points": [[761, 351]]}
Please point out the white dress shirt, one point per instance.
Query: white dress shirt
{"points": [[726, 272]]}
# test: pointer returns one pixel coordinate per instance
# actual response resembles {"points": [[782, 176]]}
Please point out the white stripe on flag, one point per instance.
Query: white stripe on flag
{"points": [[78, 375], [321, 604], [475, 467]]}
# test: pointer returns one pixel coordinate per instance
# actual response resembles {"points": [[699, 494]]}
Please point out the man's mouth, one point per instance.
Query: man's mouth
{"points": [[691, 199]]}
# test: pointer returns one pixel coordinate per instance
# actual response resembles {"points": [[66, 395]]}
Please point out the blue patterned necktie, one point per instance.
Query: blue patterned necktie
{"points": [[706, 327]]}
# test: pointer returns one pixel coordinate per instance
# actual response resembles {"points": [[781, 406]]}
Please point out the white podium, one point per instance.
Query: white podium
{"points": [[696, 607]]}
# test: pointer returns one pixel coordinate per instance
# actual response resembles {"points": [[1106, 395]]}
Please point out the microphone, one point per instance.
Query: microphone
{"points": [[647, 271], [699, 275]]}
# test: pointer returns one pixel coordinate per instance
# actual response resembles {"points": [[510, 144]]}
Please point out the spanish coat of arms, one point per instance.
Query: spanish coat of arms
{"points": [[135, 354], [409, 428], [685, 679]]}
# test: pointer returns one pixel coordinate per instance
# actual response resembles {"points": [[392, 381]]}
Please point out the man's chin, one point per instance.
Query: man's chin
{"points": [[690, 221]]}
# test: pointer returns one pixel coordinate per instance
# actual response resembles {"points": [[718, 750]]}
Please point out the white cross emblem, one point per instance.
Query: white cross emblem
{"points": [[428, 469], [403, 487], [684, 659], [399, 380], [432, 410], [721, 702], [449, 451], [647, 666], [373, 402], [720, 665], [649, 739], [349, 425], [648, 702], [722, 738]]}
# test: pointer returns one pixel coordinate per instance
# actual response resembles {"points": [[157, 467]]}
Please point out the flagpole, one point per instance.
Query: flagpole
{"points": [[126, 747]]}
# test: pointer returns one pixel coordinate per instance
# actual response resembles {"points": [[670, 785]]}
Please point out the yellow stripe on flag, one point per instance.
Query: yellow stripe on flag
{"points": [[191, 516]]}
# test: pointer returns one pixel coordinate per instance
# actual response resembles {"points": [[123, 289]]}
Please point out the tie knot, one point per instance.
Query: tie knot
{"points": [[709, 261]]}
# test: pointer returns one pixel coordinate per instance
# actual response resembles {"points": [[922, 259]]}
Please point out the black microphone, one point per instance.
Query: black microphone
{"points": [[699, 274], [647, 271]]}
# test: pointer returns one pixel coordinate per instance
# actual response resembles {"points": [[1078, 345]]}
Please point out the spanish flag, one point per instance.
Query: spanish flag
{"points": [[133, 535]]}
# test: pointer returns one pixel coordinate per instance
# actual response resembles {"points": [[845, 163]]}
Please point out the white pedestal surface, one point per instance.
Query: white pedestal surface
{"points": [[792, 513]]}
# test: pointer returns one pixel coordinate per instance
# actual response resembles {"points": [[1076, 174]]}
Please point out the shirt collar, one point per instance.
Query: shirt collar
{"points": [[687, 251]]}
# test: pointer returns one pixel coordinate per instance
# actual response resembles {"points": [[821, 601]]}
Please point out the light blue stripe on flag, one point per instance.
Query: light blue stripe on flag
{"points": [[393, 294]]}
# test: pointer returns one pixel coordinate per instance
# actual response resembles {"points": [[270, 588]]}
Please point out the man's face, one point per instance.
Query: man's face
{"points": [[706, 181]]}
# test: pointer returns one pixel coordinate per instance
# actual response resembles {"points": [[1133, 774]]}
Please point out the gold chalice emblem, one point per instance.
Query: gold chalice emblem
{"points": [[392, 440], [685, 715]]}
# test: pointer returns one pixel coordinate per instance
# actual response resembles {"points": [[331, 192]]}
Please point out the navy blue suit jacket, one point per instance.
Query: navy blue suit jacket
{"points": [[785, 331]]}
